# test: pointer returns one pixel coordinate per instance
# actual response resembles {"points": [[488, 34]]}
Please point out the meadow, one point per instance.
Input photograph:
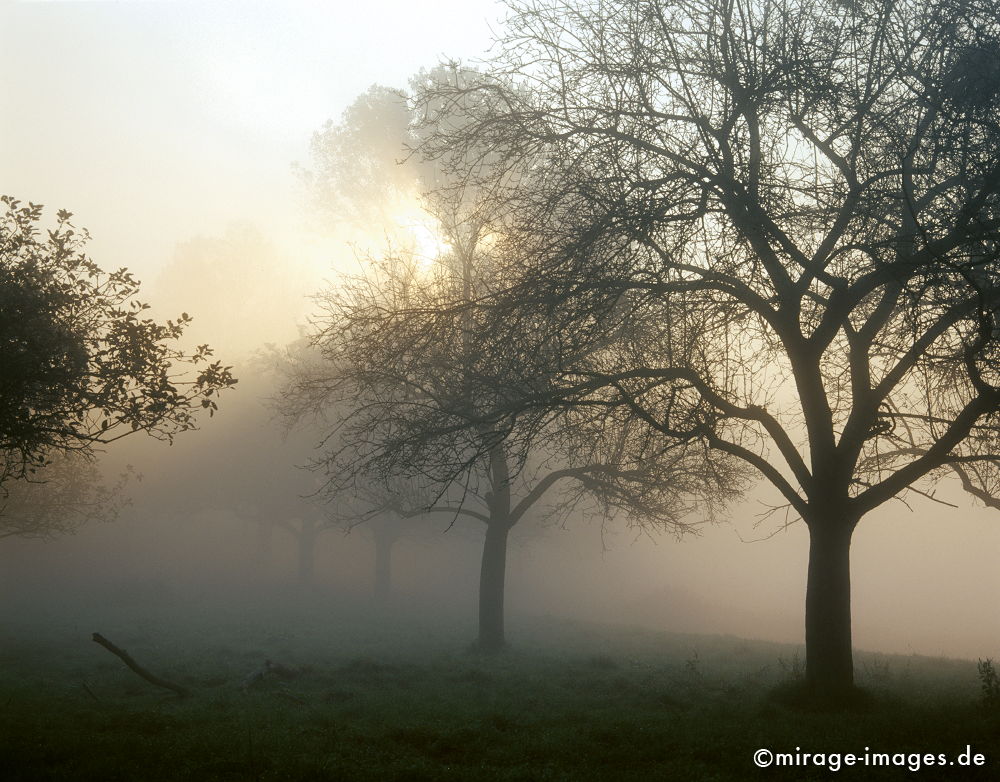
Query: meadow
{"points": [[397, 694]]}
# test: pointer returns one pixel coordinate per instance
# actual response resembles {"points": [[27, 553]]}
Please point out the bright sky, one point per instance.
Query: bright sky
{"points": [[159, 122]]}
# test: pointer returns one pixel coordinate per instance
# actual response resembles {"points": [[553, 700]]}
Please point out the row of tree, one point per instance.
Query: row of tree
{"points": [[656, 252], [683, 246]]}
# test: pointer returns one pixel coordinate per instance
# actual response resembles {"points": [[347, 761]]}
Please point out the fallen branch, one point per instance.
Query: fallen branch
{"points": [[127, 659], [90, 692]]}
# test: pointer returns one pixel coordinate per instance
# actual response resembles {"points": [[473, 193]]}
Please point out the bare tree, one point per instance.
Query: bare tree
{"points": [[769, 227], [408, 401], [415, 393]]}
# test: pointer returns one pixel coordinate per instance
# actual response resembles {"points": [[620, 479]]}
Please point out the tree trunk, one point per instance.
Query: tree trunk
{"points": [[829, 660], [491, 587], [383, 566]]}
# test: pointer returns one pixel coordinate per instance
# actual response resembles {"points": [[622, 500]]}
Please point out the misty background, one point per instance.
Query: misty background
{"points": [[171, 131]]}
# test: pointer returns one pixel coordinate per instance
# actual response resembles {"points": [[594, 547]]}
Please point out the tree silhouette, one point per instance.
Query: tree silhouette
{"points": [[767, 227], [413, 392], [81, 364], [256, 476]]}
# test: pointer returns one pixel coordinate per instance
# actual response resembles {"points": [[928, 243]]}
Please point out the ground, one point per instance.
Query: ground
{"points": [[397, 695]]}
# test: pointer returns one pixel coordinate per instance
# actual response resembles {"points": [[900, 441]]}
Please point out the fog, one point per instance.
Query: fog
{"points": [[171, 130], [923, 583]]}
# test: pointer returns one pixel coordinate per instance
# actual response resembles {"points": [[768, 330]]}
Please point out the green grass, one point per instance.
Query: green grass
{"points": [[402, 699]]}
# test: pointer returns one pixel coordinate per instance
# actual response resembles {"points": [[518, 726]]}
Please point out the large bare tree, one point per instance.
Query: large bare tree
{"points": [[766, 226]]}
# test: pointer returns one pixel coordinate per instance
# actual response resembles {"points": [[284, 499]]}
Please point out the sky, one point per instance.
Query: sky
{"points": [[157, 123], [171, 127]]}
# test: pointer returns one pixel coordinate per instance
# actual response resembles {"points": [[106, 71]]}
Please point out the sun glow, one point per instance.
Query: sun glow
{"points": [[421, 233]]}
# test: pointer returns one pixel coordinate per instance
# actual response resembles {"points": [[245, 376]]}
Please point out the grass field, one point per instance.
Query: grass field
{"points": [[394, 697]]}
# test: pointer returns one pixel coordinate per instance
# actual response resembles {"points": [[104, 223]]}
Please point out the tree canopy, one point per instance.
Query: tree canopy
{"points": [[82, 366]]}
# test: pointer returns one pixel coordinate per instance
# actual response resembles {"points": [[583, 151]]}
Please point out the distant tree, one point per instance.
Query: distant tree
{"points": [[413, 394], [385, 532], [81, 364], [60, 498], [249, 293], [256, 478], [384, 510], [357, 178], [795, 209], [415, 399]]}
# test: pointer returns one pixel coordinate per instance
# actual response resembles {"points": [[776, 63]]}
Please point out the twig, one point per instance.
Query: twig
{"points": [[127, 659]]}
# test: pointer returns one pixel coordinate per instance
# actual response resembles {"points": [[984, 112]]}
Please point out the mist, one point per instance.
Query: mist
{"points": [[183, 136], [911, 597]]}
